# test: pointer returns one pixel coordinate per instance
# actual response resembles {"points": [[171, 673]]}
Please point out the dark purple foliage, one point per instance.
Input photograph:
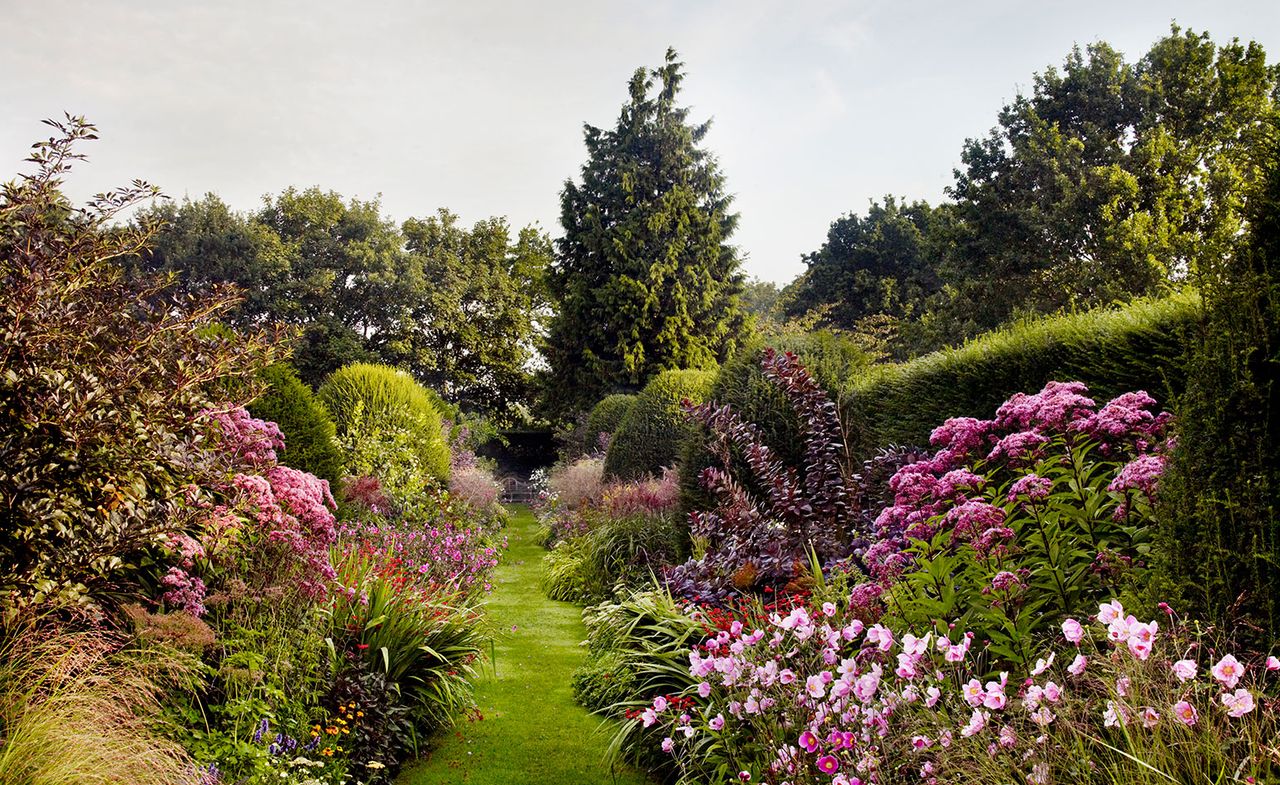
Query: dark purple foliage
{"points": [[766, 523]]}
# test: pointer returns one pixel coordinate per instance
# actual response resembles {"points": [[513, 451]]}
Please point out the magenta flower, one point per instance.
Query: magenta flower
{"points": [[809, 741], [828, 764]]}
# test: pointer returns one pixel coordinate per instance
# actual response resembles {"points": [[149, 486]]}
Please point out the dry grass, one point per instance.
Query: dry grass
{"points": [[77, 708]]}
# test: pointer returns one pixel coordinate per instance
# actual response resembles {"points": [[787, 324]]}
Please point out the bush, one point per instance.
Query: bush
{"points": [[1017, 521], [1137, 347], [1219, 527], [768, 520], [310, 438], [607, 415], [104, 383], [831, 359], [381, 405], [650, 435]]}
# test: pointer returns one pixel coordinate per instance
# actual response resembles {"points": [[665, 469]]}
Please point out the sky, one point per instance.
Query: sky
{"points": [[818, 107]]}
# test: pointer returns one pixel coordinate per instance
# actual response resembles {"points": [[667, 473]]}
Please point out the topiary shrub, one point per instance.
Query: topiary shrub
{"points": [[310, 438], [650, 435], [1140, 346], [607, 415], [831, 360], [387, 404], [1219, 532]]}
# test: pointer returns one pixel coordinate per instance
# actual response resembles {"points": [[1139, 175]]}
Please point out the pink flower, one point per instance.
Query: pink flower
{"points": [[1032, 486], [660, 704], [977, 721], [1114, 715], [717, 722], [809, 741], [828, 764], [815, 686], [1141, 474], [1149, 717], [668, 744], [973, 693], [1043, 665], [1110, 611], [1186, 713], [1228, 671], [1273, 664], [932, 694], [1078, 665], [1052, 692], [1238, 703], [704, 689], [1073, 631], [881, 636], [1185, 670]]}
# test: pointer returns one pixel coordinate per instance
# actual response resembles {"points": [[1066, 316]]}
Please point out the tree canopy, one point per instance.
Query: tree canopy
{"points": [[456, 307], [644, 278]]}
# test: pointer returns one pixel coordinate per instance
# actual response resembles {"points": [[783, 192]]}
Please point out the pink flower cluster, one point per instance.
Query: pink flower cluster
{"points": [[249, 439], [831, 699], [945, 493]]}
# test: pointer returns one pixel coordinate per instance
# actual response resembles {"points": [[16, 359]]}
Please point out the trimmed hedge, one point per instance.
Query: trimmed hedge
{"points": [[833, 360], [607, 415], [1140, 346], [309, 433], [650, 435], [394, 396]]}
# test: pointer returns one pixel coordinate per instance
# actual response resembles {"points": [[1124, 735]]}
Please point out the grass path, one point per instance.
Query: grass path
{"points": [[532, 733]]}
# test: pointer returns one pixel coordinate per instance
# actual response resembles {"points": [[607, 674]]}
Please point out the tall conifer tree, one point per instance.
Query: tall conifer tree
{"points": [[645, 279]]}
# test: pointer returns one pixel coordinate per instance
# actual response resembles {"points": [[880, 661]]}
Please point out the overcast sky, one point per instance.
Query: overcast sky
{"points": [[818, 107]]}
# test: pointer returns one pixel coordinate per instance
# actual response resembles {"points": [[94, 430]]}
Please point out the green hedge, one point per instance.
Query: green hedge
{"points": [[607, 415], [740, 383], [309, 433], [1140, 346], [650, 435], [395, 398]]}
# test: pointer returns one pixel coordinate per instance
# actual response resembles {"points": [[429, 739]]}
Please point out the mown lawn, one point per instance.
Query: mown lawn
{"points": [[531, 731]]}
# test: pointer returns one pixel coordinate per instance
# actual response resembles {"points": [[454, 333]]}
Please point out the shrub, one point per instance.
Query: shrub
{"points": [[769, 520], [607, 415], [740, 384], [78, 709], [1017, 521], [389, 421], [650, 435], [104, 382], [1219, 523], [310, 439], [1136, 347]]}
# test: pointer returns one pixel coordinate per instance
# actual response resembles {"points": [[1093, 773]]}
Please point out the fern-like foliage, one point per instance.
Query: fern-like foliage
{"points": [[769, 516]]}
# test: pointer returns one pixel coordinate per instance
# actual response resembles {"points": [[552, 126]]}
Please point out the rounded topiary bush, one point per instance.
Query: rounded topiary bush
{"points": [[831, 359], [386, 405], [607, 415], [310, 442], [650, 435]]}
